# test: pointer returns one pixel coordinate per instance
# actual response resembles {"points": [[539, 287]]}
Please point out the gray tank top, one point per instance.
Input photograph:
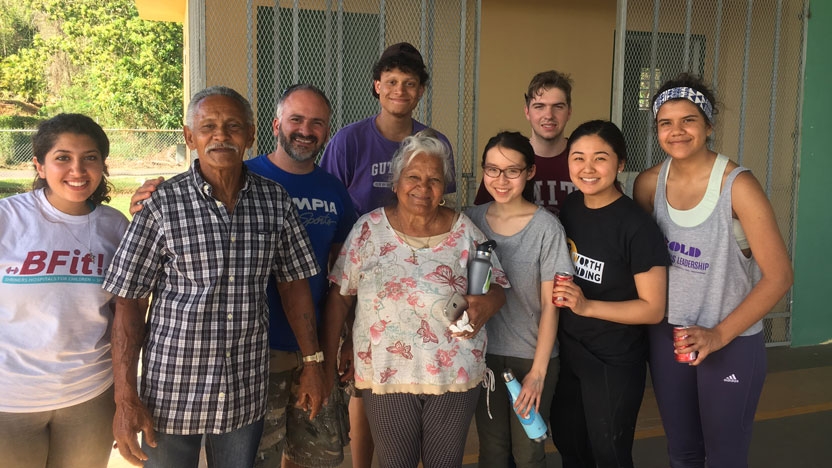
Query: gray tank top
{"points": [[709, 276]]}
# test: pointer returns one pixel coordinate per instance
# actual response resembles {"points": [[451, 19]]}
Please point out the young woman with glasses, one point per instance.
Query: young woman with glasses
{"points": [[522, 335]]}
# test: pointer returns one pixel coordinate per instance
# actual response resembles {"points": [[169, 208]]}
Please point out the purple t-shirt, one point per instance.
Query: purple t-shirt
{"points": [[359, 156]]}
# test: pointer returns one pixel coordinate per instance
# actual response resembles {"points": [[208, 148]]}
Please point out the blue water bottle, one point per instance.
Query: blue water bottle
{"points": [[534, 425]]}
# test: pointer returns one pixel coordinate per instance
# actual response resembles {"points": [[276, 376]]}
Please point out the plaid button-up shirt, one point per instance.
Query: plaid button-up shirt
{"points": [[205, 355]]}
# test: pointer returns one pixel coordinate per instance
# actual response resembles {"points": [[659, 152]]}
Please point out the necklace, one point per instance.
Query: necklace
{"points": [[410, 244], [409, 241], [89, 257]]}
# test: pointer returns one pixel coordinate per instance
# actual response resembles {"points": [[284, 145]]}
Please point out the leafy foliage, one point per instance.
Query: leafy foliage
{"points": [[96, 57], [18, 121], [17, 29]]}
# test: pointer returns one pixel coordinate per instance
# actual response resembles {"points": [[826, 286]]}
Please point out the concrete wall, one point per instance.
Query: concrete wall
{"points": [[520, 39], [812, 308]]}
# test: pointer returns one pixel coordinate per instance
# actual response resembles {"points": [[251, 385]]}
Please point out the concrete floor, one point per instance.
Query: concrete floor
{"points": [[792, 428], [793, 420]]}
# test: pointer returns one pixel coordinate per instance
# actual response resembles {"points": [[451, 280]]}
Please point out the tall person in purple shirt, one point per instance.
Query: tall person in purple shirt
{"points": [[359, 154]]}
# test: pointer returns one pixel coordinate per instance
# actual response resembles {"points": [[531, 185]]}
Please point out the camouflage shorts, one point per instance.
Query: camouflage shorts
{"points": [[317, 443]]}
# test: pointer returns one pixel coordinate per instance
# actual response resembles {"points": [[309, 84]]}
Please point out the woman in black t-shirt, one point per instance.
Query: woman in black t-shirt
{"points": [[620, 284]]}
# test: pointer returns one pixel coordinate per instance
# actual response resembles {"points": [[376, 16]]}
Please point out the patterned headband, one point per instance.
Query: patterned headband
{"points": [[690, 94]]}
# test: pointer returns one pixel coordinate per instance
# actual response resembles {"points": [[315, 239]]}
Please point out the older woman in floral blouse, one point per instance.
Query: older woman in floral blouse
{"points": [[399, 266]]}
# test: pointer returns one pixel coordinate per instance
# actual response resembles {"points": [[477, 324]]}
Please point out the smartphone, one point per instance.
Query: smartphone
{"points": [[455, 306]]}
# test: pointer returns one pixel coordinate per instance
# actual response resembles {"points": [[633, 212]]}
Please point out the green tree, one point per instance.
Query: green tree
{"points": [[22, 64], [17, 28], [98, 57]]}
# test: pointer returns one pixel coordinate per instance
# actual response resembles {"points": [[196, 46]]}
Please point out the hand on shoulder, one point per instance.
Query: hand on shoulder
{"points": [[143, 193]]}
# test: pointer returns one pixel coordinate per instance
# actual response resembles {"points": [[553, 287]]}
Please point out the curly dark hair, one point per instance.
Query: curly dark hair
{"points": [[695, 82], [402, 56], [48, 132]]}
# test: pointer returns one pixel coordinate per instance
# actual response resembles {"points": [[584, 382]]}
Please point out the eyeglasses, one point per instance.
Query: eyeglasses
{"points": [[510, 173]]}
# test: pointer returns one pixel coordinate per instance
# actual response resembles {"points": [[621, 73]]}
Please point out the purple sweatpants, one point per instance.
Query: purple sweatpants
{"points": [[708, 410]]}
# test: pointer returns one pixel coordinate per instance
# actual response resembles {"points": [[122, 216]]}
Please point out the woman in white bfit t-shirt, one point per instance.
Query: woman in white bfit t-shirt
{"points": [[56, 399]]}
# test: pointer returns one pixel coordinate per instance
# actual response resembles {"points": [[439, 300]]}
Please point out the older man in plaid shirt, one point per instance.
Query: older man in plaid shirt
{"points": [[204, 246]]}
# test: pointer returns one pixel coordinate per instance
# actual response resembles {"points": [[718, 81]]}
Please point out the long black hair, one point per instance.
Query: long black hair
{"points": [[79, 124]]}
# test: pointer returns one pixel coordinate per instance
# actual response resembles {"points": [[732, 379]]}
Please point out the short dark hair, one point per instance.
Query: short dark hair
{"points": [[406, 58], [607, 131], [695, 82], [518, 142], [79, 124], [300, 87], [546, 80]]}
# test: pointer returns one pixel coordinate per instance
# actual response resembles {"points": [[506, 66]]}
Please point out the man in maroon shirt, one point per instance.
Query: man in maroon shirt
{"points": [[548, 108]]}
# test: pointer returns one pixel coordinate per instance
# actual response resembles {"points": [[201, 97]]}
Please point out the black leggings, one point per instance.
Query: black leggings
{"points": [[594, 410], [708, 410]]}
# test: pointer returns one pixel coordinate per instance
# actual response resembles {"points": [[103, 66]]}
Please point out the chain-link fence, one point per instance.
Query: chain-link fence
{"points": [[752, 54], [162, 150], [334, 45], [750, 50]]}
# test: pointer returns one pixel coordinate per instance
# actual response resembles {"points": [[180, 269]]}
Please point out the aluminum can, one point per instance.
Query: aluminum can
{"points": [[684, 357], [561, 276]]}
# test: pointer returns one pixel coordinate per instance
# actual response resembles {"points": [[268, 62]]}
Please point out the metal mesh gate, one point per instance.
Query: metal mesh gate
{"points": [[751, 52], [334, 44]]}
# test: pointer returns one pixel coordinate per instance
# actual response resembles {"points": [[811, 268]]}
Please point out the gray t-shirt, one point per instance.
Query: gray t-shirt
{"points": [[709, 276], [529, 257]]}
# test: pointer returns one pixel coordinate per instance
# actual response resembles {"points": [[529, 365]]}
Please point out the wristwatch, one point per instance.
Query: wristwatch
{"points": [[317, 357]]}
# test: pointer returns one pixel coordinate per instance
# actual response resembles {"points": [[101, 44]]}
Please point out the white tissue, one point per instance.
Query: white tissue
{"points": [[461, 325]]}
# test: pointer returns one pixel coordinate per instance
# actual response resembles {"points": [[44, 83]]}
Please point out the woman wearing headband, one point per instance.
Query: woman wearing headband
{"points": [[729, 268]]}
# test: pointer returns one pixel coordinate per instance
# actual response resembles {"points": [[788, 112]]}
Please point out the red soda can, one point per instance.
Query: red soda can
{"points": [[561, 276], [684, 357]]}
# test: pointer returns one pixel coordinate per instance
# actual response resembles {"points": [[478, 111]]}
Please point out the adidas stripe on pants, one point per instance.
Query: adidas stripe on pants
{"points": [[706, 414]]}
